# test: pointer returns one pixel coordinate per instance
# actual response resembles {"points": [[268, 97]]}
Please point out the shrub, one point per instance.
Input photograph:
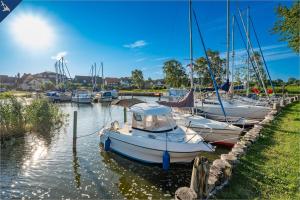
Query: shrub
{"points": [[43, 116], [12, 120]]}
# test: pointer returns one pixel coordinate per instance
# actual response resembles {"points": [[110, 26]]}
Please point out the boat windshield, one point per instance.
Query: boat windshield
{"points": [[153, 123]]}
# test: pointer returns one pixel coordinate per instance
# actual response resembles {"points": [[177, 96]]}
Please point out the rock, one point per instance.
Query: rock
{"points": [[212, 180], [224, 166], [238, 152], [185, 193], [216, 172], [231, 159]]}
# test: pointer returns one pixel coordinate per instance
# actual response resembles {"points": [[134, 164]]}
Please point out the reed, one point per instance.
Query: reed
{"points": [[16, 118], [12, 121]]}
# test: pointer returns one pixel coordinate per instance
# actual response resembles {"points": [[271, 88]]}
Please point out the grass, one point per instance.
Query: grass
{"points": [[291, 89], [270, 169]]}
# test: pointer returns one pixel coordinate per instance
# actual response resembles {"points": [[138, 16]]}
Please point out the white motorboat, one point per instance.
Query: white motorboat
{"points": [[219, 133], [82, 96], [152, 134], [234, 110]]}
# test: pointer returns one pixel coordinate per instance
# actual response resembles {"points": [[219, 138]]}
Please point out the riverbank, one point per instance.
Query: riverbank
{"points": [[270, 169]]}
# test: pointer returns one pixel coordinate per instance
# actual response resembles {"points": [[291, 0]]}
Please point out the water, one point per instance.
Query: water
{"points": [[46, 167]]}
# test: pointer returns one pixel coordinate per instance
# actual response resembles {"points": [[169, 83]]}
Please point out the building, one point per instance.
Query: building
{"points": [[86, 79], [111, 82], [7, 81], [125, 82], [37, 81]]}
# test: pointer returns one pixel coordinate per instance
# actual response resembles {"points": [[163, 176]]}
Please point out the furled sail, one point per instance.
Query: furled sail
{"points": [[187, 101]]}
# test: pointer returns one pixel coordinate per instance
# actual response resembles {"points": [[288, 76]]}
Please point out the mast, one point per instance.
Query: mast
{"points": [[191, 43], [227, 42], [102, 84], [251, 47], [248, 66], [232, 38]]}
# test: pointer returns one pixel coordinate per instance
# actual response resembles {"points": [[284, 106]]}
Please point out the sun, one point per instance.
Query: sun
{"points": [[32, 31]]}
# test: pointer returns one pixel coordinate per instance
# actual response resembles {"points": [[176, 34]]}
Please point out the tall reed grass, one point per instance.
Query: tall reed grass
{"points": [[17, 118]]}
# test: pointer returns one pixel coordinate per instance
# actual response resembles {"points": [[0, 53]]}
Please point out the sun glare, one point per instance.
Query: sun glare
{"points": [[32, 31]]}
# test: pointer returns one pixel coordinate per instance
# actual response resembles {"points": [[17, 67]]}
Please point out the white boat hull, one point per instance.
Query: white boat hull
{"points": [[151, 151], [241, 111]]}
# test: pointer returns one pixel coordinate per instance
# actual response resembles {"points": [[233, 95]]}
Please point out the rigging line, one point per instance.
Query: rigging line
{"points": [[263, 57], [251, 47], [209, 67], [248, 53], [68, 70]]}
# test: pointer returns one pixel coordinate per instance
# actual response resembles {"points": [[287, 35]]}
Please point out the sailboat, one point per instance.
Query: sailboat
{"points": [[239, 112], [212, 131]]}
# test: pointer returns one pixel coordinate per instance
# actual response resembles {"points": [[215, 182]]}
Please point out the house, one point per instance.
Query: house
{"points": [[8, 81], [37, 81], [86, 79], [159, 83], [31, 82], [125, 82], [111, 82]]}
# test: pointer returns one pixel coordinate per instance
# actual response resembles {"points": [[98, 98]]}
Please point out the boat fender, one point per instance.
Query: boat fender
{"points": [[166, 160], [107, 144]]}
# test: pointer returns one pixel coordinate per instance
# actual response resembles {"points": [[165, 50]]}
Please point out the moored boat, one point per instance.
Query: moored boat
{"points": [[152, 133], [82, 96]]}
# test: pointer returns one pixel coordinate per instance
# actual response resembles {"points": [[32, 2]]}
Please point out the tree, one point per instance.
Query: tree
{"points": [[175, 75], [256, 58], [292, 80], [137, 78], [287, 25], [217, 65], [47, 86]]}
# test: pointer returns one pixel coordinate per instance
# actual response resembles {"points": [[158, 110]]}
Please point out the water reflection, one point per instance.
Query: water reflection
{"points": [[45, 165]]}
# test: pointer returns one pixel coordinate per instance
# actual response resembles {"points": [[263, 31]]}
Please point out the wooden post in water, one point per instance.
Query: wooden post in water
{"points": [[125, 115], [74, 130], [199, 177]]}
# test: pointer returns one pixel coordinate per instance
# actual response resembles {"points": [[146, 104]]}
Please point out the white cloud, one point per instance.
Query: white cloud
{"points": [[140, 59], [162, 58], [59, 55], [136, 44]]}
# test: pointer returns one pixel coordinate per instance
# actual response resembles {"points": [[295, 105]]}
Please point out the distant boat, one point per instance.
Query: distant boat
{"points": [[153, 132], [57, 96], [82, 96]]}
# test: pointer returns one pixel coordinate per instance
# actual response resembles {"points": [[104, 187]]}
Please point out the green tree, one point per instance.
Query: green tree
{"points": [[137, 78], [258, 59], [48, 86], [217, 65], [175, 75], [292, 80], [287, 25]]}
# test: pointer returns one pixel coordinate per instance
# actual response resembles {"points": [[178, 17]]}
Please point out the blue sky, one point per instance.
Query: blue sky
{"points": [[126, 35]]}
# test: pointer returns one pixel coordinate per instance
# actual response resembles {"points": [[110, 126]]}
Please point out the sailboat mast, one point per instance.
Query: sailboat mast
{"points": [[248, 64], [191, 43], [102, 85], [227, 43], [232, 36]]}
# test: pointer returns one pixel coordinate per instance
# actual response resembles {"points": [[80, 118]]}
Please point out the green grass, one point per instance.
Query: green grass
{"points": [[271, 167]]}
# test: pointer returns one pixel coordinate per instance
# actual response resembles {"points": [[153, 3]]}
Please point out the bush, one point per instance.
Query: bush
{"points": [[43, 116], [12, 121]]}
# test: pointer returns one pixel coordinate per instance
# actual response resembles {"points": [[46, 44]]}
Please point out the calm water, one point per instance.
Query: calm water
{"points": [[47, 167]]}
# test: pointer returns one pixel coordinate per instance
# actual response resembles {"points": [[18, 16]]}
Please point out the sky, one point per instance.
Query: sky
{"points": [[128, 35]]}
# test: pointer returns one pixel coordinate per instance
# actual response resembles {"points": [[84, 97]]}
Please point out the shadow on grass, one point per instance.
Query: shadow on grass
{"points": [[248, 179]]}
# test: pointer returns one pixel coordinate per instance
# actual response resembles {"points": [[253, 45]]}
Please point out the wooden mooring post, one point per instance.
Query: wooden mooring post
{"points": [[125, 114], [74, 130], [199, 182]]}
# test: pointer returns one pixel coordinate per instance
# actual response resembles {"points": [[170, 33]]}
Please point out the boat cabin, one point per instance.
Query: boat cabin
{"points": [[152, 118]]}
